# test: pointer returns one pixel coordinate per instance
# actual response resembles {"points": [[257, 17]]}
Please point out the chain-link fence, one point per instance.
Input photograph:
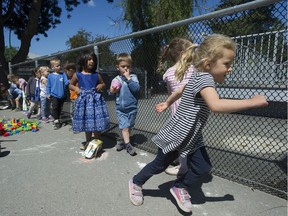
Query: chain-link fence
{"points": [[249, 147]]}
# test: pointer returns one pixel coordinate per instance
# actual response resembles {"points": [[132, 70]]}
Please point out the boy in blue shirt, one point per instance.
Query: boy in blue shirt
{"points": [[126, 87], [56, 90]]}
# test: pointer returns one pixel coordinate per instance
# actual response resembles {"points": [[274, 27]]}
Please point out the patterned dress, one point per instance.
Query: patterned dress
{"points": [[90, 112]]}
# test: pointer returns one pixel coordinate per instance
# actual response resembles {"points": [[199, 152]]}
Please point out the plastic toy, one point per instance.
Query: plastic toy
{"points": [[16, 126]]}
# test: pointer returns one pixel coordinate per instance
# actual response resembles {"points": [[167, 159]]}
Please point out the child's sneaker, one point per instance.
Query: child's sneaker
{"points": [[182, 198], [51, 118], [57, 125], [130, 149], [172, 170], [135, 193], [120, 145], [83, 145], [44, 119]]}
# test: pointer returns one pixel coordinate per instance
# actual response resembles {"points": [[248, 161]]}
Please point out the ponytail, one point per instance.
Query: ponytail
{"points": [[162, 60], [185, 61]]}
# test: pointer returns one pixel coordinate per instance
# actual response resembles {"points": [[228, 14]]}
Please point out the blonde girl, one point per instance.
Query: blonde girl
{"points": [[183, 133], [45, 102]]}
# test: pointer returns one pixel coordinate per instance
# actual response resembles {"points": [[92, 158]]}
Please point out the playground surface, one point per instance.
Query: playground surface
{"points": [[45, 173]]}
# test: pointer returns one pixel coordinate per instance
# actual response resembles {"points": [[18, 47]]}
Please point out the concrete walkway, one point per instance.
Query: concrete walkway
{"points": [[44, 173]]}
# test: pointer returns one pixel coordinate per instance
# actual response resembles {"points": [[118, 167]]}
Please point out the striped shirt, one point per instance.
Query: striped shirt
{"points": [[184, 130], [173, 84]]}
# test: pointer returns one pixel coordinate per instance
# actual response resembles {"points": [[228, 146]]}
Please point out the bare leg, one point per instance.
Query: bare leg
{"points": [[97, 134], [126, 135], [88, 136]]}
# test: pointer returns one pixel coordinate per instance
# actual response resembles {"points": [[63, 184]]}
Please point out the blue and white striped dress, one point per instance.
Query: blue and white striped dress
{"points": [[184, 131]]}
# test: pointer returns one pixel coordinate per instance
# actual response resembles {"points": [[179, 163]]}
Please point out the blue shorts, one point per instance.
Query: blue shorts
{"points": [[126, 120]]}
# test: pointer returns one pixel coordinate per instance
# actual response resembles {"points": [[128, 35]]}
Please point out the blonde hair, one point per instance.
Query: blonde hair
{"points": [[11, 77], [211, 48], [54, 61], [124, 57], [172, 53], [43, 68]]}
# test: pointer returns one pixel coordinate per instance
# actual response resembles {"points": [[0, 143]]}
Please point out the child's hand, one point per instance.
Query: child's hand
{"points": [[161, 107], [77, 90], [127, 74], [259, 101]]}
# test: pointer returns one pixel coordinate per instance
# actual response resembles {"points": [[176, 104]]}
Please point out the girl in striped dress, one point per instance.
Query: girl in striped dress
{"points": [[183, 133], [171, 54], [90, 111]]}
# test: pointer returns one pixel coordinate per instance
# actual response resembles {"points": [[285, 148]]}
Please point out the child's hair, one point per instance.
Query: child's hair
{"points": [[70, 66], [11, 77], [34, 71], [54, 61], [124, 57], [84, 60], [43, 68], [211, 48], [15, 79], [172, 53]]}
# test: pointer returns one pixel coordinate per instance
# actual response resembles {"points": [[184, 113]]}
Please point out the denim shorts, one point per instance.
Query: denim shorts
{"points": [[126, 120]]}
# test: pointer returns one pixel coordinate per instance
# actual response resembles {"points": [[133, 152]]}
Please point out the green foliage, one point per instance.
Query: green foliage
{"points": [[10, 52]]}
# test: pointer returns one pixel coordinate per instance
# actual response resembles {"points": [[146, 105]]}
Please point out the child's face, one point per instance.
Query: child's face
{"points": [[38, 74], [45, 73], [222, 66], [70, 73], [123, 67], [56, 67], [90, 63]]}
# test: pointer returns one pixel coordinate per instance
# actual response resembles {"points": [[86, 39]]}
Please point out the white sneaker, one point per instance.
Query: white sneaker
{"points": [[172, 170]]}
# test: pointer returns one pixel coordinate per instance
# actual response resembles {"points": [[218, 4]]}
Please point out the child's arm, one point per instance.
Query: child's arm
{"points": [[171, 99], [101, 85], [72, 85], [218, 105], [133, 84]]}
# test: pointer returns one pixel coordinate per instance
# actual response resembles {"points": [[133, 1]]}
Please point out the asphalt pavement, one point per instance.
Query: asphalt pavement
{"points": [[45, 173]]}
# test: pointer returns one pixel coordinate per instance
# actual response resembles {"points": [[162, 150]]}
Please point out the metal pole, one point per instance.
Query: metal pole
{"points": [[96, 51], [10, 67]]}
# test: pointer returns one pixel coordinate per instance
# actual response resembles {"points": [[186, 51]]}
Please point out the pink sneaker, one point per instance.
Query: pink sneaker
{"points": [[182, 198], [135, 194]]}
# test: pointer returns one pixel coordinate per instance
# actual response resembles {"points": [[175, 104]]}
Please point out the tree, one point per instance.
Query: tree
{"points": [[28, 19], [10, 52], [83, 38]]}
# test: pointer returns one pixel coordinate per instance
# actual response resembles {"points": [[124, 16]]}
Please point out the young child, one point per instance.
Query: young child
{"points": [[126, 86], [33, 93], [70, 69], [56, 91], [90, 112], [171, 54], [183, 133], [22, 84], [15, 93], [45, 102]]}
